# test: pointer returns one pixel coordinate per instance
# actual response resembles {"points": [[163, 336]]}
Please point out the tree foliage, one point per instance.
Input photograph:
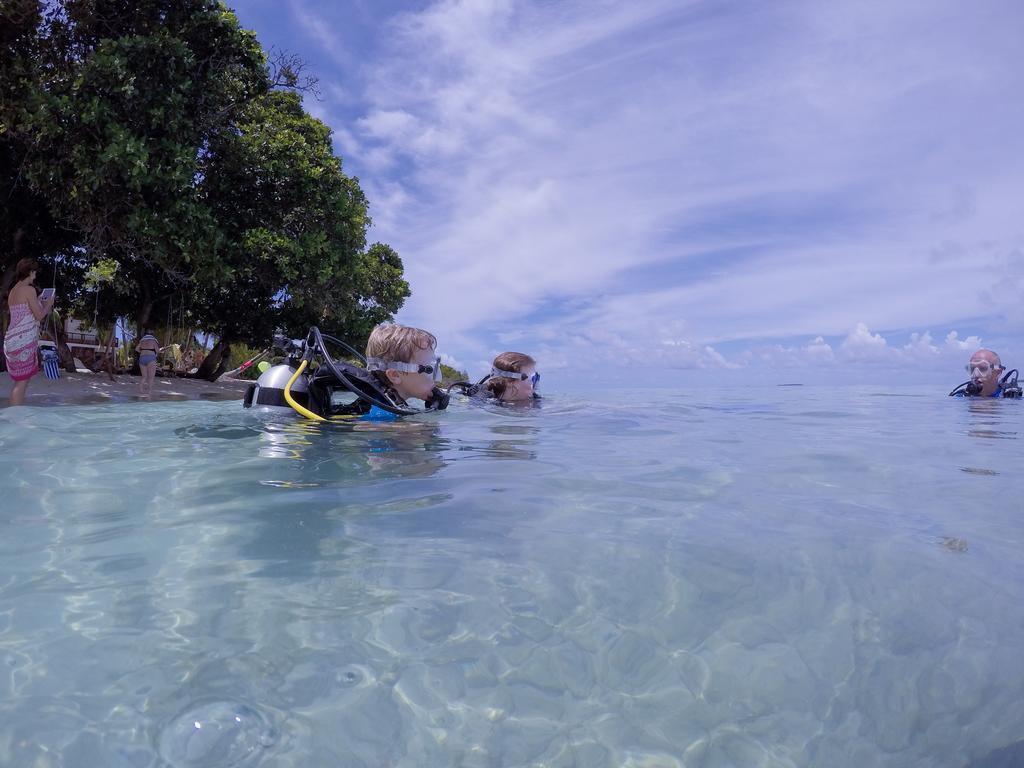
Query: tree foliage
{"points": [[158, 137], [294, 223]]}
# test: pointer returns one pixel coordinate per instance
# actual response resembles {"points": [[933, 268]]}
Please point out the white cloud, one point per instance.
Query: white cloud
{"points": [[861, 344], [321, 30], [389, 124], [864, 349], [1006, 294], [819, 351], [658, 179], [953, 341], [346, 142]]}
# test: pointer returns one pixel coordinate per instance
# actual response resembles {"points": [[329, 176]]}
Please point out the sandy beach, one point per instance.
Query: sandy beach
{"points": [[94, 388]]}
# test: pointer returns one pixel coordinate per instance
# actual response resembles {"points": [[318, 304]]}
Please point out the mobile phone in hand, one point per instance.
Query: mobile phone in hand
{"points": [[46, 294]]}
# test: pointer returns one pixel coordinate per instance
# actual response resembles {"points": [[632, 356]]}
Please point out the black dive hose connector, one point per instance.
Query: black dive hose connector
{"points": [[438, 400], [1010, 386], [292, 349]]}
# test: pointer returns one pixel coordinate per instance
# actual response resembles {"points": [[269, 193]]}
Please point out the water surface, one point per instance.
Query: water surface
{"points": [[776, 577]]}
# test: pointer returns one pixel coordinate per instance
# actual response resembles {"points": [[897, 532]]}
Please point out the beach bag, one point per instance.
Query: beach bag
{"points": [[51, 364]]}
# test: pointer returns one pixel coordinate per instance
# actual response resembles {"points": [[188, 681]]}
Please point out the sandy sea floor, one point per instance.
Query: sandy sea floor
{"points": [[87, 388]]}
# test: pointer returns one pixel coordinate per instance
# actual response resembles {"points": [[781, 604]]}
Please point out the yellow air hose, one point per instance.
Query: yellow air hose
{"points": [[291, 400], [298, 408]]}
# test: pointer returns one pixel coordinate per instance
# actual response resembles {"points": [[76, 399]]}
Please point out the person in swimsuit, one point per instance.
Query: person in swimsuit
{"points": [[147, 348], [21, 343]]}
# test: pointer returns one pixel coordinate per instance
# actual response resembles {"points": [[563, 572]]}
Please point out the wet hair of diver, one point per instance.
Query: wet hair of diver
{"points": [[1008, 384], [311, 375]]}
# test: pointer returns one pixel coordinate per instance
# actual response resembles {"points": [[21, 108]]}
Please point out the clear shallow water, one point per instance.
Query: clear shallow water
{"points": [[776, 577]]}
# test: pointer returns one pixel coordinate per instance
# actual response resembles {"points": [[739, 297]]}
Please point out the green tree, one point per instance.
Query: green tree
{"points": [[378, 291], [27, 226], [294, 233], [124, 98], [156, 135]]}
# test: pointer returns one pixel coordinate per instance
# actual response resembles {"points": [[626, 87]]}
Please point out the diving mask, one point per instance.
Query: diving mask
{"points": [[533, 378], [379, 364], [981, 368]]}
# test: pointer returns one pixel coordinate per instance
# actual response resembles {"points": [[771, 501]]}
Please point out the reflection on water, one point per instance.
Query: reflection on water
{"points": [[791, 577], [511, 441], [408, 448], [990, 417]]}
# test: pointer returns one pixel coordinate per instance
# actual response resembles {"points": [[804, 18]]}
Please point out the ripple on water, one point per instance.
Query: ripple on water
{"points": [[218, 733], [354, 676]]}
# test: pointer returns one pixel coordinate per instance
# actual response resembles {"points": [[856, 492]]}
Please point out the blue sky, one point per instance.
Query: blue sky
{"points": [[773, 190]]}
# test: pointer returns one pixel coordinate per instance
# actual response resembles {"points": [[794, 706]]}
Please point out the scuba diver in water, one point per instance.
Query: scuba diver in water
{"points": [[513, 379], [400, 364], [406, 363], [987, 378]]}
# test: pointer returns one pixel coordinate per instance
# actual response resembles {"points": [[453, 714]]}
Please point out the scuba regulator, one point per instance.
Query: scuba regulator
{"points": [[1008, 384]]}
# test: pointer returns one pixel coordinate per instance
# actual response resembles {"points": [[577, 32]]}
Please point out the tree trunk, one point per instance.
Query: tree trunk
{"points": [[216, 362], [67, 360], [145, 310], [107, 363], [142, 317]]}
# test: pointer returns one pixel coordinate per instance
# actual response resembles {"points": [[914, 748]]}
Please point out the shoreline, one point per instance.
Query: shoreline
{"points": [[97, 388]]}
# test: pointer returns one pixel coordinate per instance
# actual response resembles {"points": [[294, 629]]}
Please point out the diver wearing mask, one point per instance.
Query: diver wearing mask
{"points": [[513, 379], [987, 378], [400, 364]]}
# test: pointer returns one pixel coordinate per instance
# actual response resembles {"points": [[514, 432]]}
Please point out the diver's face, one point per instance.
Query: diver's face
{"points": [[520, 391], [984, 371], [419, 385]]}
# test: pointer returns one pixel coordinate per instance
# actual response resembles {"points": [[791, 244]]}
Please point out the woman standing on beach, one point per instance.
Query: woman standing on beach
{"points": [[148, 347], [21, 344]]}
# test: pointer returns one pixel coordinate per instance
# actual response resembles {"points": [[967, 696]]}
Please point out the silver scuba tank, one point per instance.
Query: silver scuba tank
{"points": [[268, 391]]}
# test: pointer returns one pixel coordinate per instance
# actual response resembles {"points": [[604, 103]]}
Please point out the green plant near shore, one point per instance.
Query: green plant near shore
{"points": [[450, 375], [242, 352]]}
